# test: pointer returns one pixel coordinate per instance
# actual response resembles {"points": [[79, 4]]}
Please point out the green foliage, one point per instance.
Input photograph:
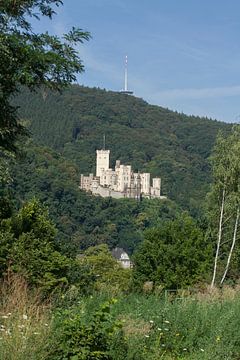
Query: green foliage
{"points": [[223, 204], [73, 339], [106, 273], [31, 59], [151, 138], [174, 255], [27, 247], [83, 220]]}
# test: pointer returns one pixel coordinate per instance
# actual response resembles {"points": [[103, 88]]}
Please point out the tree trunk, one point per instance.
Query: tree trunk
{"points": [[219, 239], [232, 247]]}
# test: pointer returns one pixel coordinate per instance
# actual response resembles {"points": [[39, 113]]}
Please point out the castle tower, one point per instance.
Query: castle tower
{"points": [[102, 161]]}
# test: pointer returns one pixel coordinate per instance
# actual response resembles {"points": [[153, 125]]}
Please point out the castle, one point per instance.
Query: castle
{"points": [[121, 182]]}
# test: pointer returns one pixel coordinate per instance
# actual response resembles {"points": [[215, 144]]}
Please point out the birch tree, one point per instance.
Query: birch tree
{"points": [[223, 199]]}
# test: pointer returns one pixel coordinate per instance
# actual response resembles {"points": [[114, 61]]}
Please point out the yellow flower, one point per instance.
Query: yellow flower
{"points": [[177, 334], [218, 338]]}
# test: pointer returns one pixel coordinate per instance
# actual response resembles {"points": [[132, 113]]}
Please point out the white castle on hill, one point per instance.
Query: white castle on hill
{"points": [[121, 182]]}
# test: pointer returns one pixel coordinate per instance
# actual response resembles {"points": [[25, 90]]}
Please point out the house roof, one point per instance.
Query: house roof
{"points": [[118, 253]]}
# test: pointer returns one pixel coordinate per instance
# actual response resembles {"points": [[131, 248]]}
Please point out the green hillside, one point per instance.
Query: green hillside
{"points": [[151, 138], [83, 220]]}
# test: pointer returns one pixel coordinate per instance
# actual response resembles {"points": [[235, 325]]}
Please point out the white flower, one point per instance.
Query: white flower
{"points": [[184, 349], [147, 336], [202, 350], [9, 314], [4, 316], [166, 329], [46, 324], [159, 329], [36, 333], [151, 321], [25, 317], [167, 322]]}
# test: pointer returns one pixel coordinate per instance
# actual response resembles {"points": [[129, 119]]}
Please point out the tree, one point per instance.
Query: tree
{"points": [[175, 254], [30, 59], [223, 199], [27, 247], [106, 273]]}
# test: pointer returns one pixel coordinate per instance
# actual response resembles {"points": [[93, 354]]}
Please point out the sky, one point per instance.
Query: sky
{"points": [[182, 54]]}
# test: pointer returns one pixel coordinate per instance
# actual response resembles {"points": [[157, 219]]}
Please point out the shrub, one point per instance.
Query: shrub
{"points": [[77, 338]]}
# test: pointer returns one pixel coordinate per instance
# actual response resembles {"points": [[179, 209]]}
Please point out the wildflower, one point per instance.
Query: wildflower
{"points": [[21, 326], [9, 314], [167, 322], [151, 321], [166, 329], [147, 336], [25, 317], [184, 349], [218, 338], [36, 333], [163, 345], [202, 350], [177, 334], [4, 316], [46, 324], [2, 329]]}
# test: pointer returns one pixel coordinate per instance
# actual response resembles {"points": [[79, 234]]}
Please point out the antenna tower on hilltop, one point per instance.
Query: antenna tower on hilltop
{"points": [[126, 91]]}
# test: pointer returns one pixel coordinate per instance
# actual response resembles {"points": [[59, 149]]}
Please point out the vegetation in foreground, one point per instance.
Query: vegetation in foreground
{"points": [[180, 325]]}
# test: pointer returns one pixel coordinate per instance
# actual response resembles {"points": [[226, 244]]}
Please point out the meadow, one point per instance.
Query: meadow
{"points": [[202, 325]]}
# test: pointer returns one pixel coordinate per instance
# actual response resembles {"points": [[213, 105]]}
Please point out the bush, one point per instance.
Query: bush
{"points": [[77, 338]]}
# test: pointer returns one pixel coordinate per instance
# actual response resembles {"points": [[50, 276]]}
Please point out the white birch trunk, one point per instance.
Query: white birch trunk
{"points": [[219, 239], [232, 247]]}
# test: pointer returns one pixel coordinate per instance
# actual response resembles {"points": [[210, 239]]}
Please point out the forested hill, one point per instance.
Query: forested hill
{"points": [[151, 138]]}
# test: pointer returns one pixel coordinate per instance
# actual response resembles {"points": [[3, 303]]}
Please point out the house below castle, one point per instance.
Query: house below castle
{"points": [[122, 258], [121, 182]]}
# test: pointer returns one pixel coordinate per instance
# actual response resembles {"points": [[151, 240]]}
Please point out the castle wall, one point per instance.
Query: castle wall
{"points": [[119, 183]]}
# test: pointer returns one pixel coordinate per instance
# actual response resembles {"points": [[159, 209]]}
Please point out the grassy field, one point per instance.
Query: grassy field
{"points": [[200, 326], [203, 326]]}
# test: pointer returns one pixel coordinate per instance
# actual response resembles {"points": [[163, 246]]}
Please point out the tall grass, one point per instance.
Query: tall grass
{"points": [[24, 321], [200, 327], [206, 326]]}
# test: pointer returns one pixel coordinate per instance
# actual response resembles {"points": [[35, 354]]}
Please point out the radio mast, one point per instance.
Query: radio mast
{"points": [[126, 91]]}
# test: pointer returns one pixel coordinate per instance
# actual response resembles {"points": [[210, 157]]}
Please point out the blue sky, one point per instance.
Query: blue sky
{"points": [[182, 54]]}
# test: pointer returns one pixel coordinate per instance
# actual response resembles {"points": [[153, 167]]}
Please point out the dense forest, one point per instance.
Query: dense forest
{"points": [[82, 220], [68, 127], [173, 146]]}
